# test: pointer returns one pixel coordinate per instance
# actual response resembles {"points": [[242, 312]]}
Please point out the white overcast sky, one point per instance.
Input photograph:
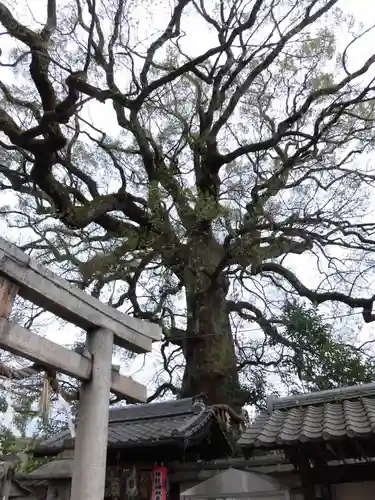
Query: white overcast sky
{"points": [[363, 10]]}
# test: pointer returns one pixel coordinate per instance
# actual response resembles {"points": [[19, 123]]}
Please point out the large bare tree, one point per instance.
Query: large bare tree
{"points": [[182, 160]]}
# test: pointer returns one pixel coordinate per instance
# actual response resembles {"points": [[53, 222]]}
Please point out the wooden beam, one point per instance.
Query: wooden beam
{"points": [[344, 473], [6, 481], [8, 292], [45, 289], [21, 342], [307, 482]]}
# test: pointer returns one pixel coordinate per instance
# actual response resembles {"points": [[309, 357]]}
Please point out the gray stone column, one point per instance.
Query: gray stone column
{"points": [[88, 482]]}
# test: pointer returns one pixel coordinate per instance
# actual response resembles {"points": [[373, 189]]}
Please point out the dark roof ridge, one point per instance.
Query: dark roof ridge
{"points": [[153, 404], [152, 417], [315, 398], [149, 411]]}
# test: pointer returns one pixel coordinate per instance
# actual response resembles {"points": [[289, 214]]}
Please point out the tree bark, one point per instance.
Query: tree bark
{"points": [[209, 349]]}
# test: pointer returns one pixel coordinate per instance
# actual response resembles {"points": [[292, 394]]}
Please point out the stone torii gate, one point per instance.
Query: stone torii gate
{"points": [[105, 326]]}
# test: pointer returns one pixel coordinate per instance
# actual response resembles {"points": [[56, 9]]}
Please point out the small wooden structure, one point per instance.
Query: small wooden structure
{"points": [[329, 437], [105, 326], [10, 487], [141, 437]]}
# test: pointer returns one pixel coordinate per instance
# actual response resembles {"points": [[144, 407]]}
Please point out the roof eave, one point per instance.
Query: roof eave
{"points": [[178, 441]]}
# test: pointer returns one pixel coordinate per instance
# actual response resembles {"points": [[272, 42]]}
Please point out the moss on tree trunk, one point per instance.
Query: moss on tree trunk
{"points": [[209, 350]]}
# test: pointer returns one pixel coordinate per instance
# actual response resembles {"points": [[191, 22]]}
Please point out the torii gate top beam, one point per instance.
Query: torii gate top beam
{"points": [[45, 289]]}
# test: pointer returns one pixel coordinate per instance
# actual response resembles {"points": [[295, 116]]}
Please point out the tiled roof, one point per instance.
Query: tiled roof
{"points": [[60, 468], [325, 416], [144, 425]]}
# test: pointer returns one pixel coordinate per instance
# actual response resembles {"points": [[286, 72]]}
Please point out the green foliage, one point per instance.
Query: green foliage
{"points": [[12, 444], [7, 440], [322, 80], [323, 44], [320, 359]]}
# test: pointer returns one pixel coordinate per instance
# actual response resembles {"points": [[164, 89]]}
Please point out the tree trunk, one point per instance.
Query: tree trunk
{"points": [[209, 349]]}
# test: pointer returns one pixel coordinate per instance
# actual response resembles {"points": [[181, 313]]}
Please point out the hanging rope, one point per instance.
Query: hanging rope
{"points": [[32, 370], [50, 384], [44, 402]]}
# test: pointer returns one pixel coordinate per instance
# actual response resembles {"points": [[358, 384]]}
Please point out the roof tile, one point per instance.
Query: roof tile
{"points": [[327, 421]]}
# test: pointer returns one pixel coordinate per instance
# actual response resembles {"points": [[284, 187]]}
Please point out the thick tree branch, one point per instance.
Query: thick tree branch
{"points": [[320, 297], [162, 390]]}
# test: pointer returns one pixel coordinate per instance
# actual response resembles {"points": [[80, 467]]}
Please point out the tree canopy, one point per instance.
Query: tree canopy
{"points": [[199, 164], [318, 357]]}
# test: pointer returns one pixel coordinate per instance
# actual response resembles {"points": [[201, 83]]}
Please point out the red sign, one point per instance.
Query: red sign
{"points": [[159, 483]]}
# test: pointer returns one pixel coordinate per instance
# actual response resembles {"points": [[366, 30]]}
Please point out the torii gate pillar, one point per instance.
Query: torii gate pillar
{"points": [[88, 482]]}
